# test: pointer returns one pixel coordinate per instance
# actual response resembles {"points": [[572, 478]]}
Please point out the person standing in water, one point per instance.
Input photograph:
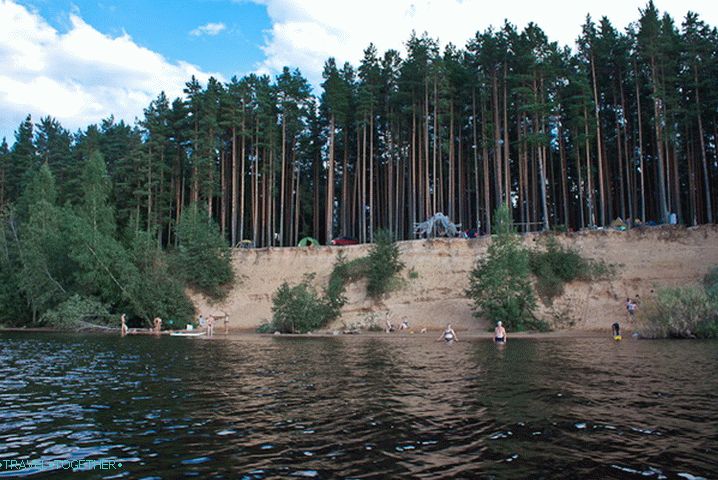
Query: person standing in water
{"points": [[158, 325], [123, 325], [210, 325], [449, 335], [499, 333]]}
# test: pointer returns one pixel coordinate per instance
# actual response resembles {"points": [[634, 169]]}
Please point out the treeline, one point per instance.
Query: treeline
{"points": [[625, 125], [69, 265]]}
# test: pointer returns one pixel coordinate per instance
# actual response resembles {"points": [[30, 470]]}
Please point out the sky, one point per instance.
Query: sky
{"points": [[81, 61]]}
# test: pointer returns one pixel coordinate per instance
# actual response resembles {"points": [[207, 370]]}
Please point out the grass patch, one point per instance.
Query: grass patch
{"points": [[683, 312]]}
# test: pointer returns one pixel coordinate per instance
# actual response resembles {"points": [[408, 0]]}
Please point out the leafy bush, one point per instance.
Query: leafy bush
{"points": [[300, 309], [554, 265], [265, 328], [345, 272], [499, 285], [203, 259], [77, 312], [383, 264], [683, 312]]}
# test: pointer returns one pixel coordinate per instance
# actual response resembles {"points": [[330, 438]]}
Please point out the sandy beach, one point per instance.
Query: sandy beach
{"points": [[436, 275]]}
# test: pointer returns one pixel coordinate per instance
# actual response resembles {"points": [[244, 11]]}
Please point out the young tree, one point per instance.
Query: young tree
{"points": [[499, 285], [203, 258]]}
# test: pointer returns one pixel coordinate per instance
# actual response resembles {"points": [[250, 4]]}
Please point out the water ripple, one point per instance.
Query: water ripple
{"points": [[356, 407]]}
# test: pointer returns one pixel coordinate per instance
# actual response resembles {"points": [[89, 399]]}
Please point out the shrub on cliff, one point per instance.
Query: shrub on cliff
{"points": [[344, 272], [300, 309], [383, 264], [554, 265], [499, 285]]}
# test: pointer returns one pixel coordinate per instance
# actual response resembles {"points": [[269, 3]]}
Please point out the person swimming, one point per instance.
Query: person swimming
{"points": [[449, 335], [499, 333]]}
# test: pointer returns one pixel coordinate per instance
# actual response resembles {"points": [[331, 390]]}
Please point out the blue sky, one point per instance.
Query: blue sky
{"points": [[81, 61], [165, 25]]}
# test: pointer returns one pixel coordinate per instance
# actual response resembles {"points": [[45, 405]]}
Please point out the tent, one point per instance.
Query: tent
{"points": [[308, 242]]}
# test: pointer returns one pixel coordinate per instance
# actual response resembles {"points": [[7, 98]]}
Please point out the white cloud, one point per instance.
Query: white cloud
{"points": [[210, 29], [80, 76], [304, 34]]}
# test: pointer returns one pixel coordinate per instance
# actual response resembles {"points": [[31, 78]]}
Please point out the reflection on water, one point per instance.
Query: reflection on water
{"points": [[356, 407]]}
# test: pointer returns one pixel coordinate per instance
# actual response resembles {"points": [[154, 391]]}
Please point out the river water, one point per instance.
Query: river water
{"points": [[260, 407]]}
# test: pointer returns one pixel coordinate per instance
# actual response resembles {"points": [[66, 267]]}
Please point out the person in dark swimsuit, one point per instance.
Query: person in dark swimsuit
{"points": [[616, 329], [449, 335], [499, 333]]}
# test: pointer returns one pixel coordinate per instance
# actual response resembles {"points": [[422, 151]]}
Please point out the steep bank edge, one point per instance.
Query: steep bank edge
{"points": [[644, 258]]}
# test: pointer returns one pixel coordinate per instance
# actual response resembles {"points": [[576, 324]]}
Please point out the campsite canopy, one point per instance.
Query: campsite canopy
{"points": [[308, 242]]}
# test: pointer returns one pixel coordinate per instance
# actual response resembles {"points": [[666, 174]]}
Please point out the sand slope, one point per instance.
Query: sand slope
{"points": [[645, 259]]}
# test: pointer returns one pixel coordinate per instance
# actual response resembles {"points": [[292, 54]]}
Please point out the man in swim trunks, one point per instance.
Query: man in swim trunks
{"points": [[616, 328], [499, 333]]}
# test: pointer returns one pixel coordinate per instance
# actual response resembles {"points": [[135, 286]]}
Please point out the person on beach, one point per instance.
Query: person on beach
{"points": [[202, 322], [123, 325], [404, 324], [499, 333], [389, 326], [631, 307], [210, 325], [158, 325], [226, 324], [449, 335]]}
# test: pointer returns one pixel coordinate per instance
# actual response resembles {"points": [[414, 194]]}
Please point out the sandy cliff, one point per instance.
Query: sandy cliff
{"points": [[434, 295]]}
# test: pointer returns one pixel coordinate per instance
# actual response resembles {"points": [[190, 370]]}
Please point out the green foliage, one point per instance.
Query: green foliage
{"points": [[383, 264], [300, 309], [95, 207], [57, 260], [203, 258], [554, 265], [265, 328], [499, 285], [683, 312], [77, 312], [155, 288], [40, 244], [14, 309], [345, 272]]}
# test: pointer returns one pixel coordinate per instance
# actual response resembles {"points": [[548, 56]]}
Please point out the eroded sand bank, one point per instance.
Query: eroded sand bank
{"points": [[644, 258]]}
